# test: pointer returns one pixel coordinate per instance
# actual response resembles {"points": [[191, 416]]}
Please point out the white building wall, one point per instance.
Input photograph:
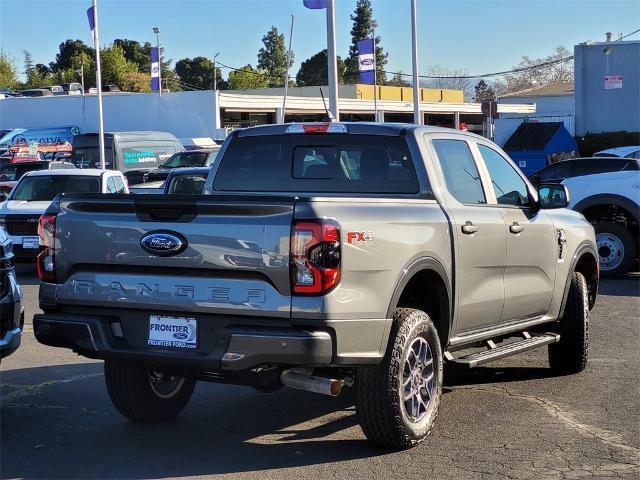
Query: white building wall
{"points": [[185, 114]]}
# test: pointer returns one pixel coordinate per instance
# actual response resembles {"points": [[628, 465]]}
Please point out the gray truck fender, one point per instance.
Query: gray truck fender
{"points": [[416, 266], [582, 249]]}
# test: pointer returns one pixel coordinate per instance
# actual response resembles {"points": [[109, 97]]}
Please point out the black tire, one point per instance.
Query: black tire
{"points": [[131, 391], [570, 354], [618, 234], [380, 408]]}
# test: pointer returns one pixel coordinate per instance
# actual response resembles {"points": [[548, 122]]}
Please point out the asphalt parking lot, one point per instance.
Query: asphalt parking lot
{"points": [[509, 420]]}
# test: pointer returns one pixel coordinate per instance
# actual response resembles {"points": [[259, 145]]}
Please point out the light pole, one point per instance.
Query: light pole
{"points": [[215, 73], [417, 116], [156, 30]]}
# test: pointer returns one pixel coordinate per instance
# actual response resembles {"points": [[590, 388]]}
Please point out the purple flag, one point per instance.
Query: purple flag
{"points": [[155, 69], [315, 4], [92, 18], [366, 61]]}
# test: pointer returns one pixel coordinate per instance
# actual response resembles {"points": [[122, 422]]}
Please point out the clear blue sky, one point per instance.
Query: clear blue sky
{"points": [[478, 35]]}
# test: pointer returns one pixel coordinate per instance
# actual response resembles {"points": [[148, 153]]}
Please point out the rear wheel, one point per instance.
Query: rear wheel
{"points": [[145, 394], [616, 248], [397, 401], [570, 354]]}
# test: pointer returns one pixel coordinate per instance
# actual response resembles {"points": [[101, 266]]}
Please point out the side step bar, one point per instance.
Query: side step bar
{"points": [[496, 352]]}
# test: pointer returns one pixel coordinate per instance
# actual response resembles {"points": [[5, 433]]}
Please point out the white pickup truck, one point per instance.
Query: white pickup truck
{"points": [[31, 197]]}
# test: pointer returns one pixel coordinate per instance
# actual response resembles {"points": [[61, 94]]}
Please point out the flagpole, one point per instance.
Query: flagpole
{"points": [[96, 44], [286, 75], [374, 24], [332, 61], [82, 76], [417, 117]]}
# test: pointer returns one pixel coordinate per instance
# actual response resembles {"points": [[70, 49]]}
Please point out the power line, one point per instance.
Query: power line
{"points": [[629, 34]]}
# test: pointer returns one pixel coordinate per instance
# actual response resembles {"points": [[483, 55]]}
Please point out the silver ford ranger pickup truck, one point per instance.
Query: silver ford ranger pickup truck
{"points": [[321, 256]]}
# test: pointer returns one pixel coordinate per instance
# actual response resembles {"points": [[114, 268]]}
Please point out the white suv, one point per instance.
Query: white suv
{"points": [[611, 202], [32, 195]]}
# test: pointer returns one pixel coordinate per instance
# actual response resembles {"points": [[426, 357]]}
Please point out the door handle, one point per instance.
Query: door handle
{"points": [[469, 228], [515, 227]]}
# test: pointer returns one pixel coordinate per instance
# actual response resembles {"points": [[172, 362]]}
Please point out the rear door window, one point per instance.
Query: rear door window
{"points": [[318, 163], [460, 171]]}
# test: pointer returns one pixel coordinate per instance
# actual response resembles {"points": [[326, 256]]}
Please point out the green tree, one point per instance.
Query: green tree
{"points": [[313, 71], [67, 51], [198, 73], [272, 57], [136, 53], [362, 28], [8, 74], [136, 82], [247, 78], [34, 78], [483, 92], [115, 67]]}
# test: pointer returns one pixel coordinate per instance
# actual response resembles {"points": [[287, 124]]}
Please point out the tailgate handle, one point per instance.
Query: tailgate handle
{"points": [[148, 213]]}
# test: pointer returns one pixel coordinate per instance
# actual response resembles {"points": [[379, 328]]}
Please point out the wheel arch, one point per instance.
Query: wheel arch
{"points": [[607, 200], [421, 274], [584, 260]]}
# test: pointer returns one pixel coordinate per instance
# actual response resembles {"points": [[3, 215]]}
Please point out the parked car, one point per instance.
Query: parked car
{"points": [[10, 174], [11, 306], [322, 256], [611, 202], [180, 181], [56, 89], [33, 194], [132, 153], [35, 92], [73, 88], [7, 92], [186, 181], [557, 172], [623, 152], [192, 158]]}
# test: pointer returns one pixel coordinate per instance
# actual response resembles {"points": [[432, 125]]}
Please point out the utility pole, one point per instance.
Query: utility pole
{"points": [[156, 30], [334, 109], [417, 116], [286, 75], [215, 73]]}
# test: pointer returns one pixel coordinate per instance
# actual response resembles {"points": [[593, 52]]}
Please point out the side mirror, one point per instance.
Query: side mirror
{"points": [[553, 195], [3, 197]]}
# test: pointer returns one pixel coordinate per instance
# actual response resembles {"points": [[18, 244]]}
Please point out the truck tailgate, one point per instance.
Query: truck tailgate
{"points": [[234, 258]]}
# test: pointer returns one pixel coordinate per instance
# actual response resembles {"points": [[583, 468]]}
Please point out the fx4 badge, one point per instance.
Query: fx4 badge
{"points": [[359, 238]]}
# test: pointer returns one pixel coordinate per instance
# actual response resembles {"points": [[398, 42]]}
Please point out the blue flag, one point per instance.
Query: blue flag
{"points": [[155, 69], [315, 4], [366, 61], [92, 19]]}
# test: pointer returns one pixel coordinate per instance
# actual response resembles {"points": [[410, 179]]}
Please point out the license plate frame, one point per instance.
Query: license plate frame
{"points": [[170, 331], [31, 242]]}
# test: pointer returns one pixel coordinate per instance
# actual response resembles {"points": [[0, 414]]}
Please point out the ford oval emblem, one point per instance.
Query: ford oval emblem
{"points": [[163, 243], [366, 61]]}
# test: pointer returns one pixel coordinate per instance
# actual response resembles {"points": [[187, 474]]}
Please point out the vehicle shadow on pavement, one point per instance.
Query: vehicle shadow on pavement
{"points": [[629, 286], [455, 377], [59, 422]]}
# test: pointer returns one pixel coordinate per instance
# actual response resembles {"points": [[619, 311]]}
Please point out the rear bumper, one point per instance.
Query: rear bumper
{"points": [[235, 348]]}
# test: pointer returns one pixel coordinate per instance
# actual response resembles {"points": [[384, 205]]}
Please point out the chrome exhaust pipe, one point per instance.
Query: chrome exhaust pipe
{"points": [[301, 380]]}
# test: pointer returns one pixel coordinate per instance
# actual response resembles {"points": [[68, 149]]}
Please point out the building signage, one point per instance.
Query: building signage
{"points": [[612, 81]]}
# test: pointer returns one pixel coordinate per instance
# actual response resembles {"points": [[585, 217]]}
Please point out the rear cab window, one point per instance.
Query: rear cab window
{"points": [[332, 163], [460, 171]]}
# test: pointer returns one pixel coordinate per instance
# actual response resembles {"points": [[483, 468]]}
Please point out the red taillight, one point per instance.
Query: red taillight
{"points": [[46, 258], [315, 257]]}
